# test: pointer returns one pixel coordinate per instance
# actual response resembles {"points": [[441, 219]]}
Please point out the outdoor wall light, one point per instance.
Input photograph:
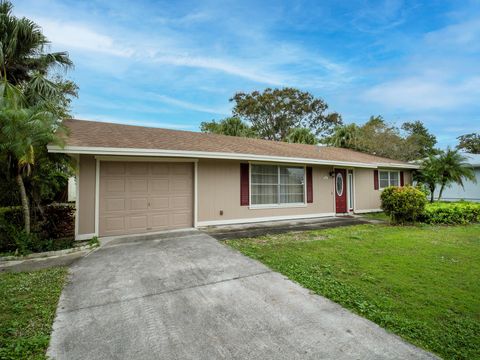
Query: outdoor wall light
{"points": [[331, 173]]}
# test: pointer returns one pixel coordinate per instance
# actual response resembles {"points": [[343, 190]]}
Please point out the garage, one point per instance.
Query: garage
{"points": [[140, 197]]}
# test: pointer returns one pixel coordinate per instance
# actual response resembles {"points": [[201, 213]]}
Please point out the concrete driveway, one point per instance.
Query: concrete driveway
{"points": [[187, 296]]}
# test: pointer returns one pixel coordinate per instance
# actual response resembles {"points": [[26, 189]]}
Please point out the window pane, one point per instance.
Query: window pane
{"points": [[290, 194], [394, 178], [264, 185], [264, 174], [383, 183], [265, 179], [384, 175], [291, 175], [264, 194], [292, 180], [339, 184]]}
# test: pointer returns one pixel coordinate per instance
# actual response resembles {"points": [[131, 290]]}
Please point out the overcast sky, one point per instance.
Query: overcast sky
{"points": [[176, 63]]}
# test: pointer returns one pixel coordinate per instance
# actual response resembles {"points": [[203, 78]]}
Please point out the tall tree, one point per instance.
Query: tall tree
{"points": [[302, 136], [469, 143], [418, 142], [23, 48], [453, 168], [377, 137], [33, 102], [273, 113], [23, 131], [380, 138], [231, 126]]}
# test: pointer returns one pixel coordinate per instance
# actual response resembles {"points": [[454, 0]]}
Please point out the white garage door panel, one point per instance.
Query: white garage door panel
{"points": [[139, 197]]}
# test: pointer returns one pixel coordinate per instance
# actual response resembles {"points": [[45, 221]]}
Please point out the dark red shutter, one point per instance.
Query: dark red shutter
{"points": [[244, 185], [375, 179], [402, 180], [309, 185]]}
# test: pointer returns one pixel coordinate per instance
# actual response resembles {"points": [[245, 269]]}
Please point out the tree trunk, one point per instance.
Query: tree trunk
{"points": [[440, 193], [25, 206], [432, 191]]}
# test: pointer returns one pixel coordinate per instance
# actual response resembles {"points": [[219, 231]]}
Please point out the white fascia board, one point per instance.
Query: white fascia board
{"points": [[212, 155]]}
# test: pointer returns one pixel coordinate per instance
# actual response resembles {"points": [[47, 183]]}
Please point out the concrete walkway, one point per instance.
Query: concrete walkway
{"points": [[187, 296], [226, 232]]}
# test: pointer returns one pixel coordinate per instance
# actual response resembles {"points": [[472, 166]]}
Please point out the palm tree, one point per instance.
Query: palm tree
{"points": [[23, 48], [344, 136], [32, 104], [429, 174], [453, 168], [22, 131], [301, 136]]}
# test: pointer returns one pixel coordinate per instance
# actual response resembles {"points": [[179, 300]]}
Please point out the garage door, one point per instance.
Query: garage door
{"points": [[139, 197]]}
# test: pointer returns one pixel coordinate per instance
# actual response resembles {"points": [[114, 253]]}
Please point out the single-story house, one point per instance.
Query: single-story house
{"points": [[470, 190], [133, 179]]}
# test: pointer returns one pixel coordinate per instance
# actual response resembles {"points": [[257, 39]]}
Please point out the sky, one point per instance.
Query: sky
{"points": [[175, 64]]}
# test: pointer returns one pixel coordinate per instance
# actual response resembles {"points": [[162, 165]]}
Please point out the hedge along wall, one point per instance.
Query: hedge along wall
{"points": [[58, 222]]}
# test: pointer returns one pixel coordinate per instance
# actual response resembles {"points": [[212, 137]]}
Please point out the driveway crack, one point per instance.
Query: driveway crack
{"points": [[163, 292]]}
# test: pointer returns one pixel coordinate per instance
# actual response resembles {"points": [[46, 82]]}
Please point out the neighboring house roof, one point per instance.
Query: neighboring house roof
{"points": [[91, 137], [472, 159]]}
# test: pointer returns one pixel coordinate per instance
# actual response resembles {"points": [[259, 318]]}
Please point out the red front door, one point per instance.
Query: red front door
{"points": [[341, 190]]}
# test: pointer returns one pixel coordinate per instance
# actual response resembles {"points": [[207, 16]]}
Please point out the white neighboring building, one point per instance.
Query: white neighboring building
{"points": [[470, 191]]}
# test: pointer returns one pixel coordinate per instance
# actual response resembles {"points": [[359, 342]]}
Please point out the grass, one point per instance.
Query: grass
{"points": [[28, 302], [377, 216], [420, 282]]}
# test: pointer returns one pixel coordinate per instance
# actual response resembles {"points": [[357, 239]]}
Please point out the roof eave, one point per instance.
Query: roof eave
{"points": [[215, 155]]}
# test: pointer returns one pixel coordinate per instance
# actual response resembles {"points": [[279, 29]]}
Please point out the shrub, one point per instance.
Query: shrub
{"points": [[59, 221], [403, 204], [11, 222], [424, 189], [54, 232], [452, 213]]}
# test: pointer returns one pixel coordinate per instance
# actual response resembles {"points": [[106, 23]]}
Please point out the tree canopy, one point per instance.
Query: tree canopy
{"points": [[273, 113], [469, 143], [301, 136], [443, 169], [34, 99], [412, 142], [232, 126]]}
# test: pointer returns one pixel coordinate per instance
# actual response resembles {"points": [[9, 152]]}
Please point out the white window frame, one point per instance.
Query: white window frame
{"points": [[277, 205], [389, 172]]}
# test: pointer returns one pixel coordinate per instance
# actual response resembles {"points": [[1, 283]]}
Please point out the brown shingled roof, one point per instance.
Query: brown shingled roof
{"points": [[108, 135]]}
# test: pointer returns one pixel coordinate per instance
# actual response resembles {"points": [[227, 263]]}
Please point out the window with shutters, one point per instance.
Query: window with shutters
{"points": [[388, 178], [276, 185]]}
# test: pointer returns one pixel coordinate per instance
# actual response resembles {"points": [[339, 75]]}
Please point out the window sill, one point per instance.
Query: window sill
{"points": [[277, 206]]}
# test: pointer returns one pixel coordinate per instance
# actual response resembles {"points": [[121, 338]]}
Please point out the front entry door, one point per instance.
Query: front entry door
{"points": [[340, 190]]}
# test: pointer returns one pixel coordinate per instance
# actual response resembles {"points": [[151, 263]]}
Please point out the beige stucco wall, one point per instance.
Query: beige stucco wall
{"points": [[367, 198], [219, 189], [86, 192]]}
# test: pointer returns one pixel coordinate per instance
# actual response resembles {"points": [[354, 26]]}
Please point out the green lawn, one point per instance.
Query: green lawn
{"points": [[377, 216], [27, 309], [420, 282]]}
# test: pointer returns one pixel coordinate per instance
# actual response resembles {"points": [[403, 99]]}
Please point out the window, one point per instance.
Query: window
{"points": [[339, 184], [389, 178], [277, 185], [350, 190]]}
